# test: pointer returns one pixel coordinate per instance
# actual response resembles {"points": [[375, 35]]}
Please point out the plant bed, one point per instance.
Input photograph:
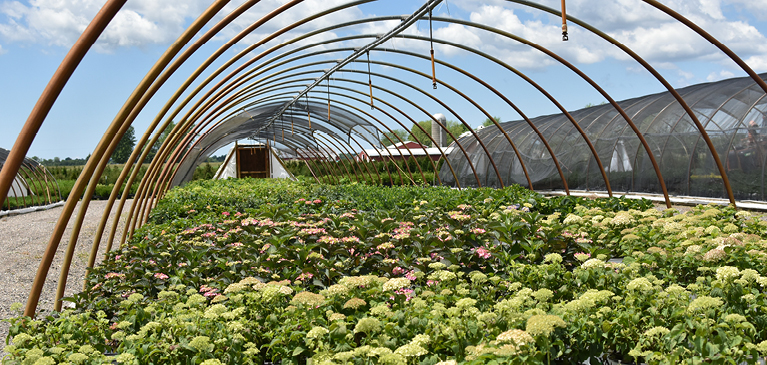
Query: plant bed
{"points": [[244, 271]]}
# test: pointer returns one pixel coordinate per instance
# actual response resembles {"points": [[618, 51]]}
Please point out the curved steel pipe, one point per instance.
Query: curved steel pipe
{"points": [[90, 166], [48, 97], [209, 79], [142, 141]]}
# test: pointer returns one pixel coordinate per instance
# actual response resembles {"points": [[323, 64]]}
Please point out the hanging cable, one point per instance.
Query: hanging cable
{"points": [[291, 123], [431, 43], [370, 83], [328, 97], [564, 23], [282, 127]]}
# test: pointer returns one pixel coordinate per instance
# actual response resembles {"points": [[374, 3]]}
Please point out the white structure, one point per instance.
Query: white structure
{"points": [[439, 134], [233, 168], [19, 188]]}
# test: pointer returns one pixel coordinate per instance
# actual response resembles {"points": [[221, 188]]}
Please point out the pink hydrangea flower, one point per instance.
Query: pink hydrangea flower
{"points": [[161, 276], [483, 253], [411, 276]]}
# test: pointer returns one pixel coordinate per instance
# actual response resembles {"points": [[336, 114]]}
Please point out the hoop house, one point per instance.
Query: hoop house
{"points": [[734, 113], [32, 186]]}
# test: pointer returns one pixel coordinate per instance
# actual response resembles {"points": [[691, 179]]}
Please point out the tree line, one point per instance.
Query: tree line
{"points": [[122, 152]]}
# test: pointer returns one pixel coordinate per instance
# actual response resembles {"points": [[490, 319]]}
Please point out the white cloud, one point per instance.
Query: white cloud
{"points": [[758, 63], [2, 51], [756, 8], [146, 22], [652, 34], [289, 17], [60, 22], [721, 75]]}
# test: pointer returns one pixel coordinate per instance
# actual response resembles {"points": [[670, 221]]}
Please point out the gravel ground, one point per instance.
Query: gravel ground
{"points": [[23, 239]]}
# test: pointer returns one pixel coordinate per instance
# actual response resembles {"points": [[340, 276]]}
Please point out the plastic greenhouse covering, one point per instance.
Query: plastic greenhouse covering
{"points": [[732, 112]]}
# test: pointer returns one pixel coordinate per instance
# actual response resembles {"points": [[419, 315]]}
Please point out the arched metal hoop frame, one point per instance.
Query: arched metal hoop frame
{"points": [[207, 106]]}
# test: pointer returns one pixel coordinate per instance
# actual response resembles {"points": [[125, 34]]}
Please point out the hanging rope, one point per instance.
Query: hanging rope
{"points": [[564, 23], [370, 83], [431, 43]]}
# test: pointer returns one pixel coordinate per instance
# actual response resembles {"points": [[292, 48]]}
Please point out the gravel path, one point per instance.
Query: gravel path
{"points": [[23, 239]]}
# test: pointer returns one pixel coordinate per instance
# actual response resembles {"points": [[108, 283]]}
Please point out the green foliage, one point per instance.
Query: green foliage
{"points": [[253, 271], [125, 147], [371, 173], [392, 139], [418, 135], [488, 122]]}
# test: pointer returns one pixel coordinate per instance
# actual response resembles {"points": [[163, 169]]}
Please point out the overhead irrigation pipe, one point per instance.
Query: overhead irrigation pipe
{"points": [[426, 8], [220, 70]]}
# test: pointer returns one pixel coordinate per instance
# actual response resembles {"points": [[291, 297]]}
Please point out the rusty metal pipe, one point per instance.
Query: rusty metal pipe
{"points": [[140, 144], [146, 93], [49, 96]]}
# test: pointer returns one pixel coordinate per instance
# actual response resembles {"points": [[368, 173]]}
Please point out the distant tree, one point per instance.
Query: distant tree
{"points": [[589, 105], [399, 132], [456, 128], [488, 122], [125, 146], [216, 158], [418, 135]]}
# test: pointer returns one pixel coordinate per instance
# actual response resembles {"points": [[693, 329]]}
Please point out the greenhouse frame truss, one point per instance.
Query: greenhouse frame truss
{"points": [[283, 89]]}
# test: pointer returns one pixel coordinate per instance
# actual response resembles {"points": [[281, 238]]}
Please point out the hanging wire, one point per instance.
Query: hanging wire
{"points": [[291, 122], [370, 83], [564, 23], [282, 127], [431, 43]]}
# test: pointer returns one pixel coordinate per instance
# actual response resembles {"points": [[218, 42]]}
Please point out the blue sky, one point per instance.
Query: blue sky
{"points": [[36, 35]]}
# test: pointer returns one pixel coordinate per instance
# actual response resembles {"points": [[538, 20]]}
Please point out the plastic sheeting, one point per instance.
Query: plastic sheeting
{"points": [[19, 188], [229, 168], [733, 113]]}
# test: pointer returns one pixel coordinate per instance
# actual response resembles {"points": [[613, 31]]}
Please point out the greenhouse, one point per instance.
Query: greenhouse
{"points": [[360, 214], [33, 186], [733, 113]]}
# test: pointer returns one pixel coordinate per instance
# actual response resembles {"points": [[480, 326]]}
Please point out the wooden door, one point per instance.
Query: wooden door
{"points": [[253, 162]]}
